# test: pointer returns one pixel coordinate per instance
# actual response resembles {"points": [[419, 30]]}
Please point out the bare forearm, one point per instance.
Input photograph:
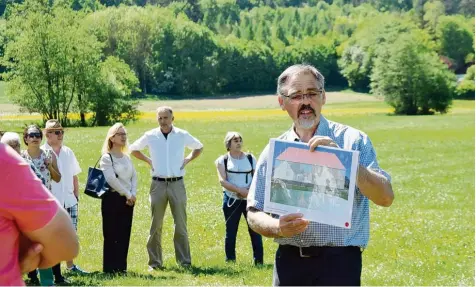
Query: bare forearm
{"points": [[229, 186], [54, 171], [375, 186], [263, 223], [75, 186], [194, 154], [139, 155]]}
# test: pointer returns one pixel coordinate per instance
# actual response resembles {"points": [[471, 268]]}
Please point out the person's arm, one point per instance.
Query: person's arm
{"points": [[222, 178], [133, 180], [136, 148], [37, 214], [58, 239], [372, 181], [76, 171], [193, 155], [375, 186], [108, 170], [286, 226], [195, 145], [76, 186], [53, 168]]}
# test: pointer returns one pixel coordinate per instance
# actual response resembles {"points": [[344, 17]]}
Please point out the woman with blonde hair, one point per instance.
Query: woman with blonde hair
{"points": [[117, 205]]}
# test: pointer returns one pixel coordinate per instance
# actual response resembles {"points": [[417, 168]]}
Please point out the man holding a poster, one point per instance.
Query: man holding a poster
{"points": [[312, 253]]}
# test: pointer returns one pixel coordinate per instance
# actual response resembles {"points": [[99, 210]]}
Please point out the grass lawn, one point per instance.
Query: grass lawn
{"points": [[425, 238]]}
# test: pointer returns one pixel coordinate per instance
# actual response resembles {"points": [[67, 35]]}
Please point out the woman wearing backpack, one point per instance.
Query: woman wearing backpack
{"points": [[235, 171]]}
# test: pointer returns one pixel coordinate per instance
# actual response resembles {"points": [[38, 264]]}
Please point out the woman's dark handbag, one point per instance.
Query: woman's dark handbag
{"points": [[97, 186]]}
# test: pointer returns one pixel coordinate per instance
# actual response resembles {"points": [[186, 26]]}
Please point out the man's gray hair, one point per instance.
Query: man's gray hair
{"points": [[10, 137], [296, 70], [165, 109], [229, 137]]}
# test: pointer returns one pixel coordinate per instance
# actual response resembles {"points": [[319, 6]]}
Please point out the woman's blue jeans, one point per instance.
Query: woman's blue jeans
{"points": [[232, 221]]}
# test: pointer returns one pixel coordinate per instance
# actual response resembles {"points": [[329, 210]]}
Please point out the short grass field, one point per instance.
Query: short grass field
{"points": [[425, 238]]}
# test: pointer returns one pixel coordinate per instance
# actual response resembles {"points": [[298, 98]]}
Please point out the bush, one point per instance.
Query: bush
{"points": [[412, 79], [465, 89]]}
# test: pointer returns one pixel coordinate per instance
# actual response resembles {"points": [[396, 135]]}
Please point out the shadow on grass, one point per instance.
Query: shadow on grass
{"points": [[97, 278], [198, 270]]}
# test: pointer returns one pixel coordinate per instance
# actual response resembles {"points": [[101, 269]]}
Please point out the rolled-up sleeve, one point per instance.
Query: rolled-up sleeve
{"points": [[191, 142], [257, 189], [368, 156], [139, 144]]}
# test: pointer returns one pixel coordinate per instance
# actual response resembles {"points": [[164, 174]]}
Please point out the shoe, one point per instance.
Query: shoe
{"points": [[154, 268], [75, 268], [62, 281]]}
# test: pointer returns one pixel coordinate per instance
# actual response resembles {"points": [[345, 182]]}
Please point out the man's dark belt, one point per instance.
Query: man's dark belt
{"points": [[314, 251], [167, 178]]}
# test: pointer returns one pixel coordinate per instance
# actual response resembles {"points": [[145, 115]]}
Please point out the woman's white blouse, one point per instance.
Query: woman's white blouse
{"points": [[126, 181]]}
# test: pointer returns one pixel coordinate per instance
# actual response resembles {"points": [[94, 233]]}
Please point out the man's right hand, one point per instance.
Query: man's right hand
{"points": [[292, 224]]}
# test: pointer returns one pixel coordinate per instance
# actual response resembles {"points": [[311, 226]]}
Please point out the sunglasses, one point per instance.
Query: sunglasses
{"points": [[34, 135], [57, 132]]}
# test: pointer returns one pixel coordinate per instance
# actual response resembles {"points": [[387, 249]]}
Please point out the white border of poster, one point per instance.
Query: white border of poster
{"points": [[318, 184]]}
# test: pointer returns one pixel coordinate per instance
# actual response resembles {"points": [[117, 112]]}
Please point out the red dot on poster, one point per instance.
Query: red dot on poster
{"points": [[346, 224]]}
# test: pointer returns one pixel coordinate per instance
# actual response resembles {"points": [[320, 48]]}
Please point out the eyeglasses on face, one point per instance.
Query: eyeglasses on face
{"points": [[298, 97], [34, 135], [121, 134], [56, 132]]}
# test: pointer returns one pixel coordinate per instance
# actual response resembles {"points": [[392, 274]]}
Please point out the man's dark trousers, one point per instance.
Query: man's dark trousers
{"points": [[325, 266]]}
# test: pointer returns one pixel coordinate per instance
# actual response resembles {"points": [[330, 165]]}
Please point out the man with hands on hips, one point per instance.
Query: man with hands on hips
{"points": [[312, 253], [166, 147]]}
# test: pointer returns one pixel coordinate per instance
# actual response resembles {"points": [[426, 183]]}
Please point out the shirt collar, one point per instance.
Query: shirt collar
{"points": [[321, 130], [172, 131]]}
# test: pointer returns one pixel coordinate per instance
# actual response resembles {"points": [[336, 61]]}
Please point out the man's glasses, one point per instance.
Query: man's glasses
{"points": [[300, 97], [56, 132], [34, 135]]}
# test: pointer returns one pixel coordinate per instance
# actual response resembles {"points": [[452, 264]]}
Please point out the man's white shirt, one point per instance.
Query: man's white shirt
{"points": [[167, 155], [68, 166]]}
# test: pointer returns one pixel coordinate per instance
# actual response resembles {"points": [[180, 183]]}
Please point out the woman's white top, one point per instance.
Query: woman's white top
{"points": [[126, 181], [237, 179]]}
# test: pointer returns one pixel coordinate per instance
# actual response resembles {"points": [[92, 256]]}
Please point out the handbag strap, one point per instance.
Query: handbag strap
{"points": [[112, 162]]}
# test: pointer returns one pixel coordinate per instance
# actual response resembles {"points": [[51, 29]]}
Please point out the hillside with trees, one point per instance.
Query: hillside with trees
{"points": [[97, 57]]}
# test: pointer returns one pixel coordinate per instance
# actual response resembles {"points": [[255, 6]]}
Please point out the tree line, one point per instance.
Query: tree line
{"points": [[97, 57]]}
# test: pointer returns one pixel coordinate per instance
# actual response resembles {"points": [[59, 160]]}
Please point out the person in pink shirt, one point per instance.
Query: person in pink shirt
{"points": [[35, 231]]}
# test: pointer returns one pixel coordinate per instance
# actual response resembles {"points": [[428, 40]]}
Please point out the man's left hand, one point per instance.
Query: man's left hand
{"points": [[320, 140], [185, 162]]}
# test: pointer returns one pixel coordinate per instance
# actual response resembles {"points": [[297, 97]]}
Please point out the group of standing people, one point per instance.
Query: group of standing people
{"points": [[57, 168], [166, 145], [309, 253]]}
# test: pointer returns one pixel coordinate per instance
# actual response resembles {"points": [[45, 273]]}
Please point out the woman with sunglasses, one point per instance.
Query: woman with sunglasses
{"points": [[117, 205], [45, 162]]}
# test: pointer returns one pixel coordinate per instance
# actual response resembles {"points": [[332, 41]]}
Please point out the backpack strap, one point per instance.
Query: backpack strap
{"points": [[225, 161], [250, 159]]}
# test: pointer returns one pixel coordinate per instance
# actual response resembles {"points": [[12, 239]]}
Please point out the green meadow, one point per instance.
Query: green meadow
{"points": [[425, 238]]}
